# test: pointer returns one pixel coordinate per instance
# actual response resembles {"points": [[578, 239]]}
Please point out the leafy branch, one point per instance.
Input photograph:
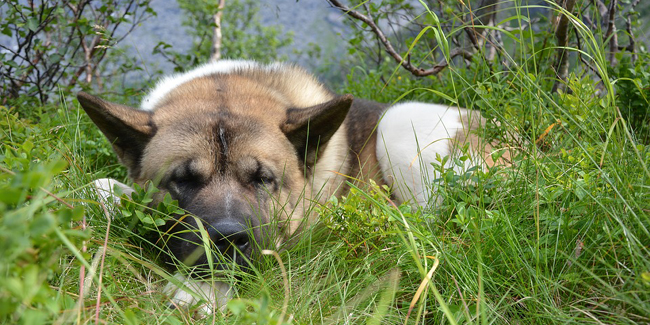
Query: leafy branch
{"points": [[403, 62]]}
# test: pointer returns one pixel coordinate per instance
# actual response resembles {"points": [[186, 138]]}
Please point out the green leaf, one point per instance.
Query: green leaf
{"points": [[141, 216], [146, 219], [28, 146], [159, 222], [7, 31], [10, 195], [645, 276], [55, 58], [32, 24]]}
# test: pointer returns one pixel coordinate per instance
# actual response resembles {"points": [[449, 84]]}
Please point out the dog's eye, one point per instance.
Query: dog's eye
{"points": [[181, 180], [264, 180], [263, 177], [184, 177]]}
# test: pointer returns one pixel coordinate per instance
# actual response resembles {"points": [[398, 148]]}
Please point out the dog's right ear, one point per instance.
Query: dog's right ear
{"points": [[312, 127], [128, 129]]}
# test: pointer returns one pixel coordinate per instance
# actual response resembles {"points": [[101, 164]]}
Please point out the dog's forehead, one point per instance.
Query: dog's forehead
{"points": [[212, 130], [210, 96], [213, 139]]}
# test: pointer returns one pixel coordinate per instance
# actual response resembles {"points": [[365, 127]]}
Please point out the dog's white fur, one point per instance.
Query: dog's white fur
{"points": [[410, 136], [109, 190], [214, 294], [310, 93], [167, 84]]}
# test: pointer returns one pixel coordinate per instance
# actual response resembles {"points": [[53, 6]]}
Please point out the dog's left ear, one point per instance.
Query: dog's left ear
{"points": [[312, 127], [128, 129]]}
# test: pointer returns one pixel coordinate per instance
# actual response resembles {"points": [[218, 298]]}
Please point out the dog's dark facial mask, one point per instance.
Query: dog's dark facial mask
{"points": [[239, 175]]}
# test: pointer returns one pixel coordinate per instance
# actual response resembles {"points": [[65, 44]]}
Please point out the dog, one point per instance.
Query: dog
{"points": [[248, 148]]}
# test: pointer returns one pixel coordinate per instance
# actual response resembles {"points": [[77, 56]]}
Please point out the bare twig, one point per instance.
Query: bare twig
{"points": [[486, 16], [611, 32], [379, 58], [406, 64], [63, 53], [562, 36], [589, 22], [101, 268], [632, 46], [602, 9], [587, 64], [218, 37]]}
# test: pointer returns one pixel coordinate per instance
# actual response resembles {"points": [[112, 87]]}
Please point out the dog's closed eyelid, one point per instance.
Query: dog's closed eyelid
{"points": [[263, 175], [184, 175], [264, 179]]}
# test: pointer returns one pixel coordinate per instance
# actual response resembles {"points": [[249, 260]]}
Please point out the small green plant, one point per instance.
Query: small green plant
{"points": [[467, 195], [633, 94], [37, 228], [245, 311], [138, 216], [357, 218]]}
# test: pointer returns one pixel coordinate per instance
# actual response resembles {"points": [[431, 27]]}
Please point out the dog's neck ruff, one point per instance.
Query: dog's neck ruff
{"points": [[169, 83]]}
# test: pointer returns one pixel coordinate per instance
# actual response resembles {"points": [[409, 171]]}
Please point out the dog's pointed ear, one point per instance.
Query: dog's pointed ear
{"points": [[312, 127], [128, 129]]}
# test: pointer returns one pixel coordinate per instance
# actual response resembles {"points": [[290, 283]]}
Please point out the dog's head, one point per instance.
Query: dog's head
{"points": [[233, 153]]}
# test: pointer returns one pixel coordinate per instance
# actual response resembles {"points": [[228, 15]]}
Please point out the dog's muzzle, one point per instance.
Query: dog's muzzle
{"points": [[229, 237]]}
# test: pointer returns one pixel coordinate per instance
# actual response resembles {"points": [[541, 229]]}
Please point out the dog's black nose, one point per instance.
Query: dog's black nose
{"points": [[229, 237]]}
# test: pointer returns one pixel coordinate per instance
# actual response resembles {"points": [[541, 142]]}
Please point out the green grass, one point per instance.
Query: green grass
{"points": [[561, 236]]}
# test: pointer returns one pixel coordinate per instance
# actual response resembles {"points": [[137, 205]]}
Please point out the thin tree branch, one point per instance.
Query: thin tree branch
{"points": [[486, 15], [36, 70], [628, 27], [587, 64], [406, 64], [602, 9], [562, 36], [611, 32]]}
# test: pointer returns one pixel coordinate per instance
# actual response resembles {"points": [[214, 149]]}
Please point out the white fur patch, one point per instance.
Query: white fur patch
{"points": [[214, 294], [105, 189], [169, 83], [409, 137]]}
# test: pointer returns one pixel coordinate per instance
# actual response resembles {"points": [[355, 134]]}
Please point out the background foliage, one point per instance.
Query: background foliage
{"points": [[53, 45]]}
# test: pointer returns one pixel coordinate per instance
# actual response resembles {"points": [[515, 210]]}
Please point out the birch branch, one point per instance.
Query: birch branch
{"points": [[218, 37]]}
